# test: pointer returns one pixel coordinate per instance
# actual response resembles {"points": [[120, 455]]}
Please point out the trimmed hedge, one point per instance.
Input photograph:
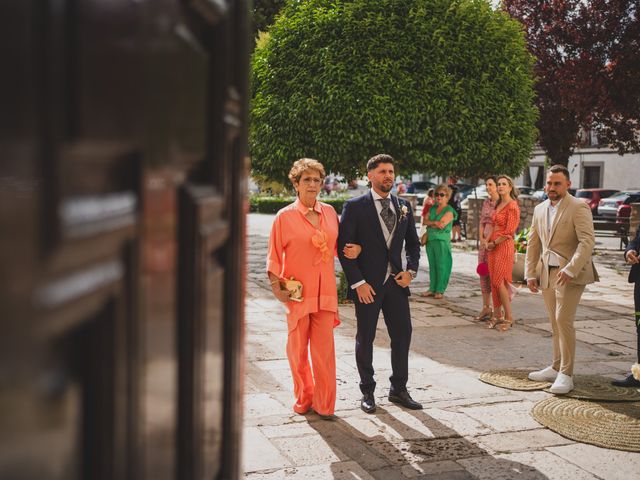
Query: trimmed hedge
{"points": [[267, 204], [342, 288], [444, 86]]}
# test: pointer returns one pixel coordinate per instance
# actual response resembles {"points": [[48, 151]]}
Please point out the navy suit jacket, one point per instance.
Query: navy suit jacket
{"points": [[634, 274], [359, 223]]}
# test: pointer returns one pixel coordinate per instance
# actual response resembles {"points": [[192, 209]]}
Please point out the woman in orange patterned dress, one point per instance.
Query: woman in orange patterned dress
{"points": [[502, 252]]}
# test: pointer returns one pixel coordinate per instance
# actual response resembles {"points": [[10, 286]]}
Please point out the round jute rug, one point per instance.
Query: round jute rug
{"points": [[513, 379], [605, 424], [594, 387]]}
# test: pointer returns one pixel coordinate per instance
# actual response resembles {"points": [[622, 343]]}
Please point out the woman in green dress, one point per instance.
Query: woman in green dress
{"points": [[438, 223]]}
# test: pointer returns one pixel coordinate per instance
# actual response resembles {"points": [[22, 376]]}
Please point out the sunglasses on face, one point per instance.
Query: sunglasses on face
{"points": [[441, 194]]}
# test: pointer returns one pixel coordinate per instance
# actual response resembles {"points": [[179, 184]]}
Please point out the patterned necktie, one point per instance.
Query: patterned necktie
{"points": [[387, 214]]}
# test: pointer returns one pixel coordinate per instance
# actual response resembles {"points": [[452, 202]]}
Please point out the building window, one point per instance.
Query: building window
{"points": [[591, 176]]}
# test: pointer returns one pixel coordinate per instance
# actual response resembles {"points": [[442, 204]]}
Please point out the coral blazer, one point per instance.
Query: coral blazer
{"points": [[293, 253]]}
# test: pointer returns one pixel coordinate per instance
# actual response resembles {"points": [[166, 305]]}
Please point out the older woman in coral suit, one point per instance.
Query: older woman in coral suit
{"points": [[302, 246]]}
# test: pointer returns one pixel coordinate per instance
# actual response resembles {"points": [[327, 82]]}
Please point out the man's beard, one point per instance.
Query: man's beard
{"points": [[383, 188]]}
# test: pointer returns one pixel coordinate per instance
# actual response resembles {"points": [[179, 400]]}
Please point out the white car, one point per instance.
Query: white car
{"points": [[479, 192], [526, 192]]}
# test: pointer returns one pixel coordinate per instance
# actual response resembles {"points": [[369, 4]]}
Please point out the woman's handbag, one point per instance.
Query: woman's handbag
{"points": [[294, 287], [424, 235], [482, 269]]}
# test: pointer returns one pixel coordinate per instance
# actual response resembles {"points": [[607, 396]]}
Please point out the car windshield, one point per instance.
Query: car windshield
{"points": [[618, 196], [584, 194], [422, 186]]}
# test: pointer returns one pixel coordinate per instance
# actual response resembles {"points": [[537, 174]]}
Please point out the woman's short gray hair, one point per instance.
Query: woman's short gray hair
{"points": [[302, 165]]}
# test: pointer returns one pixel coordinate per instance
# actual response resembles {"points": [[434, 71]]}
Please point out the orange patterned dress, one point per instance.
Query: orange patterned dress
{"points": [[501, 258]]}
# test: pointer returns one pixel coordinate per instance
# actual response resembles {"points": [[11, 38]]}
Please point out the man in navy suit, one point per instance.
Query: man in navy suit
{"points": [[631, 255], [382, 224]]}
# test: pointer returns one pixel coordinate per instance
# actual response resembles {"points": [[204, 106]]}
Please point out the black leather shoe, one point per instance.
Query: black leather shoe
{"points": [[368, 403], [404, 399], [627, 382]]}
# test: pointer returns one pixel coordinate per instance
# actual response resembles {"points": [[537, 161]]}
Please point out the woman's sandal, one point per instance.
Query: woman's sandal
{"points": [[494, 321], [504, 325], [438, 296], [484, 316], [427, 294]]}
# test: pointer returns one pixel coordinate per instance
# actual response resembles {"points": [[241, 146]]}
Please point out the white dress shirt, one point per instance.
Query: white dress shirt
{"points": [[554, 261]]}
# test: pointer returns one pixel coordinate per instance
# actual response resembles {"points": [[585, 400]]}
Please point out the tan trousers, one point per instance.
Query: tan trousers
{"points": [[562, 303]]}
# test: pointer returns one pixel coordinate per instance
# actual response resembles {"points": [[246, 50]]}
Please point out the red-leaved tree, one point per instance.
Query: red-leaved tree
{"points": [[588, 69]]}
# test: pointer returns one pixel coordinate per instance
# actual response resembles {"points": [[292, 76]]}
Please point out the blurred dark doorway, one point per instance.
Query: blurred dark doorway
{"points": [[591, 176], [122, 214]]}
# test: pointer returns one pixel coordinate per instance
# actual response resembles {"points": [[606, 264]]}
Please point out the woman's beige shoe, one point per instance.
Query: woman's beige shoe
{"points": [[485, 314]]}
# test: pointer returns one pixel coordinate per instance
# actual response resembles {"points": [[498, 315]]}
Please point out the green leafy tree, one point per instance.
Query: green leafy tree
{"points": [[444, 86], [264, 13]]}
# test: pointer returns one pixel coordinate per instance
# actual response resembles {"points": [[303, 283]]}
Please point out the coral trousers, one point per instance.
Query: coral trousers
{"points": [[314, 385]]}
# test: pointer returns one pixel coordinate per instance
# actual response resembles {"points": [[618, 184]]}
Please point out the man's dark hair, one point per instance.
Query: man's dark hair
{"points": [[491, 177], [373, 162], [560, 169]]}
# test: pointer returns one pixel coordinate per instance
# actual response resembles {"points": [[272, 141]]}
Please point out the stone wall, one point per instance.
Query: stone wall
{"points": [[473, 217], [527, 205]]}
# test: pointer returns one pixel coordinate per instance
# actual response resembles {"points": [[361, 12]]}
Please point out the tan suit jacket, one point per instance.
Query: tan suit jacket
{"points": [[571, 238]]}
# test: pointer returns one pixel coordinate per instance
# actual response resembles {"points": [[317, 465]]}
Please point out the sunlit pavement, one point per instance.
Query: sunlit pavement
{"points": [[468, 429]]}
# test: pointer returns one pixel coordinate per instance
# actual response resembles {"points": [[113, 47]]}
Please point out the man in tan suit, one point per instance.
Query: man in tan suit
{"points": [[561, 243]]}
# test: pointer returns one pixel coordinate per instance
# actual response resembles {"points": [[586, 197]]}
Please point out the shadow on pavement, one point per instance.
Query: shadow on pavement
{"points": [[413, 455]]}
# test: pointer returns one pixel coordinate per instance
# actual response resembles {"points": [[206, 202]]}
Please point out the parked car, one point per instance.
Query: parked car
{"points": [[525, 192], [592, 196], [481, 192], [608, 207], [542, 194], [624, 210], [539, 194], [357, 187], [421, 188], [464, 189], [333, 183]]}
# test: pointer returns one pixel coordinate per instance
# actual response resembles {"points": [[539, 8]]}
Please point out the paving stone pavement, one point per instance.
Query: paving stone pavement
{"points": [[468, 429]]}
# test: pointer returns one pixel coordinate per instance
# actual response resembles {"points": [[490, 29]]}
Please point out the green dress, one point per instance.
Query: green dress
{"points": [[439, 251]]}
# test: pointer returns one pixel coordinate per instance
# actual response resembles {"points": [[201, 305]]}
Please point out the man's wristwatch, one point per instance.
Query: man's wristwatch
{"points": [[413, 273]]}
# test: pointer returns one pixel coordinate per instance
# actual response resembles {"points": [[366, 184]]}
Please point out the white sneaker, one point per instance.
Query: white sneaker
{"points": [[545, 375], [563, 384]]}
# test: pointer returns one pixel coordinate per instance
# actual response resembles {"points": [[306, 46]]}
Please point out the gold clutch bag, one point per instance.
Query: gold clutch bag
{"points": [[294, 287]]}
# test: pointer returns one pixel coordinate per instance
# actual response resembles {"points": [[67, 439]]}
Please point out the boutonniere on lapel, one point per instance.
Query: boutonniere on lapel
{"points": [[403, 212]]}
